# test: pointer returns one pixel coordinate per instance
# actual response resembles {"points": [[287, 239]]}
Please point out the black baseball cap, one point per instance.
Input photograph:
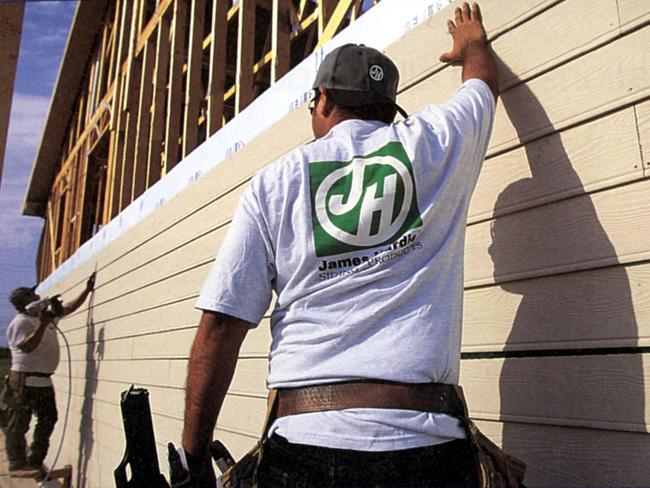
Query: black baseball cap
{"points": [[360, 75], [21, 296]]}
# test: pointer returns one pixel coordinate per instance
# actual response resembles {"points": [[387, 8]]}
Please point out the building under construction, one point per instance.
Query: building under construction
{"points": [[164, 110]]}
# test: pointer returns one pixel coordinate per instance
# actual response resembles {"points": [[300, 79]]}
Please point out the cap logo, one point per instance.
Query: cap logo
{"points": [[376, 72]]}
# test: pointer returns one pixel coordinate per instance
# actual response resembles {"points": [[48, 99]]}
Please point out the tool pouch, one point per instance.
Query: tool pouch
{"points": [[243, 474], [12, 391], [496, 468]]}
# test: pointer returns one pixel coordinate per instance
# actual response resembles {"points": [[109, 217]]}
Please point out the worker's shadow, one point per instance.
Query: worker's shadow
{"points": [[94, 356], [548, 400]]}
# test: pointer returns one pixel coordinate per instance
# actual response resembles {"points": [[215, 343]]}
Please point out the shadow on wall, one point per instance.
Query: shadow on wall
{"points": [[548, 396], [94, 356]]}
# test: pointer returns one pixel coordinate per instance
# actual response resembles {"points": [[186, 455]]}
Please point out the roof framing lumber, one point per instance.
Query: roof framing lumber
{"points": [[194, 91], [175, 96], [142, 84]]}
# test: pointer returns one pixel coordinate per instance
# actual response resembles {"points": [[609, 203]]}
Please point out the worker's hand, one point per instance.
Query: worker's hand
{"points": [[187, 472], [466, 30], [90, 283], [46, 317]]}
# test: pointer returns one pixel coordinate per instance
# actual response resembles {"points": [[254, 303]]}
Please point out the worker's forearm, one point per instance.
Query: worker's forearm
{"points": [[478, 62], [30, 343], [211, 366], [73, 305]]}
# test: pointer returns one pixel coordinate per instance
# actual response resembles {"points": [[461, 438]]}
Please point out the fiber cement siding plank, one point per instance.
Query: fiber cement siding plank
{"points": [[143, 372], [250, 376], [242, 414], [593, 156], [599, 392], [172, 315], [598, 21], [157, 269], [643, 119], [600, 81], [607, 307], [431, 39], [168, 242], [182, 285], [584, 232], [567, 458], [258, 340], [166, 344], [534, 47], [633, 13]]}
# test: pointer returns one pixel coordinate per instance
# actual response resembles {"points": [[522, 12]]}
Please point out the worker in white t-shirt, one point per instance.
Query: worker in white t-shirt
{"points": [[360, 235], [32, 339]]}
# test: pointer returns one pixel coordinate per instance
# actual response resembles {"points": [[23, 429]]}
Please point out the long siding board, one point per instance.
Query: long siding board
{"points": [[643, 117], [575, 457], [605, 307], [540, 310], [584, 232], [593, 156]]}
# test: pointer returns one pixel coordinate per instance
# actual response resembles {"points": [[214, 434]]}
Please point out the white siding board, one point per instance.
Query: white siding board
{"points": [[431, 39], [600, 81], [633, 13], [569, 457], [599, 391], [535, 47], [643, 118], [590, 157], [607, 307], [602, 229]]}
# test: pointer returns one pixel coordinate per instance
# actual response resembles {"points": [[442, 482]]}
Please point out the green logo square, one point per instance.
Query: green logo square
{"points": [[366, 202]]}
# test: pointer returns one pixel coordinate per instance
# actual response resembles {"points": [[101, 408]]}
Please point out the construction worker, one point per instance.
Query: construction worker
{"points": [[34, 346], [360, 234]]}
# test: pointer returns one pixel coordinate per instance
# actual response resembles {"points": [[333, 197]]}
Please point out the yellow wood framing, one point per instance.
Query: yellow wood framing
{"points": [[245, 49], [334, 22], [194, 91], [160, 84], [217, 65], [154, 156], [175, 95]]}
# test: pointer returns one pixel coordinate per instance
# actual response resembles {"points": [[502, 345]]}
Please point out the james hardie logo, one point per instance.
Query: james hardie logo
{"points": [[363, 203], [376, 72]]}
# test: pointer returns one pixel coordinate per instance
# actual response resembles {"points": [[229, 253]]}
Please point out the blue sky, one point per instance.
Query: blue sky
{"points": [[45, 30]]}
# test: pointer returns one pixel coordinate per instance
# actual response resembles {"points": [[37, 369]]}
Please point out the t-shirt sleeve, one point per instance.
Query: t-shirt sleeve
{"points": [[465, 122], [472, 109], [240, 281], [19, 331]]}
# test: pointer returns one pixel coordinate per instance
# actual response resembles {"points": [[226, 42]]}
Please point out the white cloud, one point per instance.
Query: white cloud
{"points": [[28, 114]]}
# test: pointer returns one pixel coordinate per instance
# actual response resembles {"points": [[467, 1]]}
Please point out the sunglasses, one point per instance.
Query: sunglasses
{"points": [[312, 103]]}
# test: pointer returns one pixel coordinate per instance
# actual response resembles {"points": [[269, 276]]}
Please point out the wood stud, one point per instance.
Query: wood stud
{"points": [[158, 85]]}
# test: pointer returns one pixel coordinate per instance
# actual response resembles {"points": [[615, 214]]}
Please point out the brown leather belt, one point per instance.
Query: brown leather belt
{"points": [[422, 397]]}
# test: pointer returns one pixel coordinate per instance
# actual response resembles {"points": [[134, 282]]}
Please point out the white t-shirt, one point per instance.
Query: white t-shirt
{"points": [[361, 236], [43, 359]]}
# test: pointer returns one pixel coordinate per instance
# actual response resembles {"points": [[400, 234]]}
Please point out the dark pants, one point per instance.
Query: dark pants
{"points": [[40, 402], [286, 465]]}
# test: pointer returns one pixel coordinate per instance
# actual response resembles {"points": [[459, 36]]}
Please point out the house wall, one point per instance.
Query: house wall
{"points": [[557, 271]]}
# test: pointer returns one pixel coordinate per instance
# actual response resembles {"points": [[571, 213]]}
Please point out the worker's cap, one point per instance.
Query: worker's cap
{"points": [[360, 75], [21, 296]]}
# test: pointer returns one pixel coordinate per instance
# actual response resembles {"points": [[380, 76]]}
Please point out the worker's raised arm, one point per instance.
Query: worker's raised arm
{"points": [[470, 48], [209, 372], [73, 305]]}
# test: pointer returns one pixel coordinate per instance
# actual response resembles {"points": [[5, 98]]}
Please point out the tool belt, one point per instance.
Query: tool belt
{"points": [[423, 397], [495, 468]]}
